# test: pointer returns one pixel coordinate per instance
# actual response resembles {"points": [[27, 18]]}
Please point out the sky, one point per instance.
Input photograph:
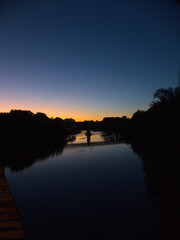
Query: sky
{"points": [[87, 59]]}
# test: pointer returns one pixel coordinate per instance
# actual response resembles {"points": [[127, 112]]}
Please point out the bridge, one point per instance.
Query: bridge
{"points": [[93, 144], [11, 227]]}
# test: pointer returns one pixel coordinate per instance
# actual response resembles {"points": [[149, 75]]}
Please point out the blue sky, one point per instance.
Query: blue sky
{"points": [[87, 59]]}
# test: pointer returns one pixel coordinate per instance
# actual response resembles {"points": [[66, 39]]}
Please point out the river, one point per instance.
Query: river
{"points": [[86, 192]]}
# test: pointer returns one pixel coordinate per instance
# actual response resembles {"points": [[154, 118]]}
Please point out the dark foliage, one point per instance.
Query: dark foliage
{"points": [[161, 166], [154, 135], [178, 1], [108, 124], [114, 124], [160, 124], [26, 136]]}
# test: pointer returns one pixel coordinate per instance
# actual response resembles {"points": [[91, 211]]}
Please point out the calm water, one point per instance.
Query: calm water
{"points": [[86, 193], [94, 137]]}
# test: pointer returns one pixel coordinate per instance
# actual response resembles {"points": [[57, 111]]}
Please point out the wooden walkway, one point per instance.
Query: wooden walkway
{"points": [[10, 224]]}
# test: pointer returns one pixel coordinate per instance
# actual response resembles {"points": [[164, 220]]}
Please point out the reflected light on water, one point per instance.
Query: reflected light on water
{"points": [[96, 136]]}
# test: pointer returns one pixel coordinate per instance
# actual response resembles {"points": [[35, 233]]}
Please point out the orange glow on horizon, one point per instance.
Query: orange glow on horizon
{"points": [[78, 115]]}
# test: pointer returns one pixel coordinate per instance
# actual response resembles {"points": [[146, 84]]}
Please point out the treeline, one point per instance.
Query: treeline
{"points": [[155, 136], [26, 137], [161, 122], [159, 126], [108, 124], [20, 127]]}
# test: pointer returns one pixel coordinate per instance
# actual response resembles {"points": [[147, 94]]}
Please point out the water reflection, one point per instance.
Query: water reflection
{"points": [[162, 169], [91, 136], [86, 137], [101, 189], [86, 193], [88, 134], [21, 157]]}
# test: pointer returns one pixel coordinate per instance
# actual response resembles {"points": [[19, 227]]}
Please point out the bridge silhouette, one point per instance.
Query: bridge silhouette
{"points": [[91, 144]]}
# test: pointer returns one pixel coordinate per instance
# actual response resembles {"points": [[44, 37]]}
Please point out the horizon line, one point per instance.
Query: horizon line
{"points": [[76, 119]]}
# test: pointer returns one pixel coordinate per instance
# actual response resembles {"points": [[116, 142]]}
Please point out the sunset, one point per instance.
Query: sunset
{"points": [[89, 119], [87, 59]]}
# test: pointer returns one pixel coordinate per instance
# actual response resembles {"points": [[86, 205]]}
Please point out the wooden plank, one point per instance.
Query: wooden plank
{"points": [[7, 204], [9, 216], [10, 225], [14, 234], [5, 199], [7, 209]]}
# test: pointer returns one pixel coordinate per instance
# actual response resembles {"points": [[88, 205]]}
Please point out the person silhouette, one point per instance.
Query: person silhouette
{"points": [[88, 134]]}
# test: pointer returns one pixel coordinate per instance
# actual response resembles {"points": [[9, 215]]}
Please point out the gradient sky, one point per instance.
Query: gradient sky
{"points": [[87, 59]]}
